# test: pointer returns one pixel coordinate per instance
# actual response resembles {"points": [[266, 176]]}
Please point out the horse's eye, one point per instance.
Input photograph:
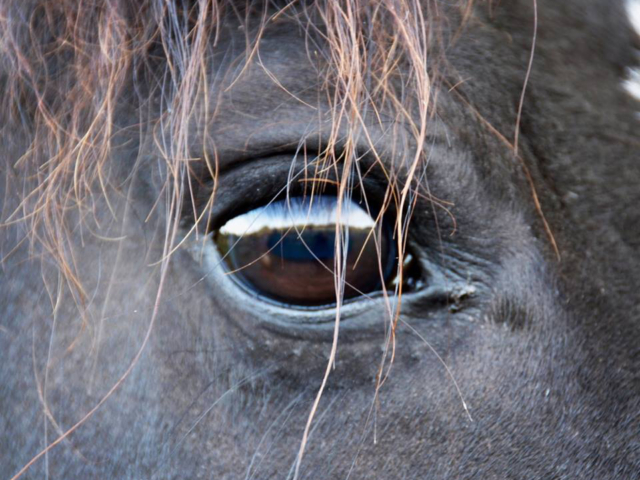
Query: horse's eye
{"points": [[286, 251]]}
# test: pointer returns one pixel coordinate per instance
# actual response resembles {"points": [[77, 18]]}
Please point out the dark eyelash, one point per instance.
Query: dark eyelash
{"points": [[269, 179]]}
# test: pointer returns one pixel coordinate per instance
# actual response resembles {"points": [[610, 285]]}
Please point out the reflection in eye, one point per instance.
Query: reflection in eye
{"points": [[286, 250]]}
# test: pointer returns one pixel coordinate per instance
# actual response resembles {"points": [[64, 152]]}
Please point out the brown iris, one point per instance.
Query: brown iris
{"points": [[286, 251]]}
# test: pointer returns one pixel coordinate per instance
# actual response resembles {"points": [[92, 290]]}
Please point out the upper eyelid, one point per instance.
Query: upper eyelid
{"points": [[259, 182]]}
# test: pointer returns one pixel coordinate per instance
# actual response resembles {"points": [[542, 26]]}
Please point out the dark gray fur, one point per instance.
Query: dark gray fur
{"points": [[546, 352]]}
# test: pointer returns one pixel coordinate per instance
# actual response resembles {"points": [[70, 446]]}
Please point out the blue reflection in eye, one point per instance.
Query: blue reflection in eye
{"points": [[287, 250], [305, 247]]}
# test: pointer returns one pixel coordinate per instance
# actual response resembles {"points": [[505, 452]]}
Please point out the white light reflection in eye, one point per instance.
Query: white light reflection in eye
{"points": [[320, 211], [632, 81]]}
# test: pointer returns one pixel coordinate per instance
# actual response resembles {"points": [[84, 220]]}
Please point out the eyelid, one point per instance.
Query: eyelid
{"points": [[267, 180]]}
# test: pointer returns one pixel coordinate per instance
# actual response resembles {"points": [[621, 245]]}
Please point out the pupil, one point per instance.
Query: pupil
{"points": [[286, 251]]}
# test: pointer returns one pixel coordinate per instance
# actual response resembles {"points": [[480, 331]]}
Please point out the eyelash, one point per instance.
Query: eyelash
{"points": [[274, 186]]}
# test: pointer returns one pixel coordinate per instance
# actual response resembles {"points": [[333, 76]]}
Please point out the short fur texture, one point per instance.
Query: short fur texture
{"points": [[131, 130]]}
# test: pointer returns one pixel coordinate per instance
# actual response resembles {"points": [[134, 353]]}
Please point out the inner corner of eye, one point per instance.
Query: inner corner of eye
{"points": [[287, 250]]}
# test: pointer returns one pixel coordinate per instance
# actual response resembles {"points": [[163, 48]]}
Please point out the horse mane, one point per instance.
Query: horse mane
{"points": [[66, 66], [69, 69]]}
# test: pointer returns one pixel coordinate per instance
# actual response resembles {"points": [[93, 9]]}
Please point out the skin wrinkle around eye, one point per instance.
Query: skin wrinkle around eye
{"points": [[267, 177], [294, 113], [247, 173]]}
